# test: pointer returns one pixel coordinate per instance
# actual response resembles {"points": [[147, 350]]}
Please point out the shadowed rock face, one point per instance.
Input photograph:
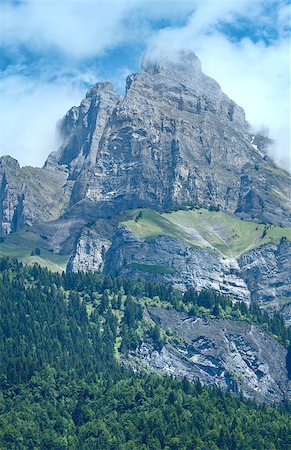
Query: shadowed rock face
{"points": [[232, 355]]}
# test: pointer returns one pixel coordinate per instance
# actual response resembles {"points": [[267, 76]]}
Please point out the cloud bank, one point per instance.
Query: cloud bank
{"points": [[51, 51]]}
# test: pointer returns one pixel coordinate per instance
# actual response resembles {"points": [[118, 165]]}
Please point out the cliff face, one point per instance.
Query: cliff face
{"points": [[261, 275], [267, 271], [29, 195], [91, 247], [232, 355], [173, 139], [170, 260]]}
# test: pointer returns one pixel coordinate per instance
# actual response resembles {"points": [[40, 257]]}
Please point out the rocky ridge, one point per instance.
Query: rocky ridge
{"points": [[261, 275]]}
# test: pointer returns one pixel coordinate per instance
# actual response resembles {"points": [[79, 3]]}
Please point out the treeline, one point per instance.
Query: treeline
{"points": [[62, 387], [195, 303], [203, 303]]}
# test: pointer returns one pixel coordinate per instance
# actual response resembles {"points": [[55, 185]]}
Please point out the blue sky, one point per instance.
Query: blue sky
{"points": [[52, 51]]}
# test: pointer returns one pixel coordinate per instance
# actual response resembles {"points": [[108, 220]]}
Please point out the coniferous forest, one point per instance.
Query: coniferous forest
{"points": [[63, 339]]}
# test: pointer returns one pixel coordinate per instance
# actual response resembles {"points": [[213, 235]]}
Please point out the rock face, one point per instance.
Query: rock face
{"points": [[174, 138], [261, 275], [91, 248], [267, 271], [232, 355], [29, 195], [184, 265]]}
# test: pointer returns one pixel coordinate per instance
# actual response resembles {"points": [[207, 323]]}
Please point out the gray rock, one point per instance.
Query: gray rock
{"points": [[232, 355], [91, 248], [29, 195], [174, 138], [267, 271], [187, 266], [261, 275]]}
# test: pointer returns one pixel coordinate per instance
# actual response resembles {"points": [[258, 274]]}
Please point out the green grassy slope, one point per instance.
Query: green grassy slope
{"points": [[215, 230], [21, 244]]}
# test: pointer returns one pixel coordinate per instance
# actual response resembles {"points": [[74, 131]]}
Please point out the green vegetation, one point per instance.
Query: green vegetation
{"points": [[63, 388], [209, 303], [214, 230], [27, 247]]}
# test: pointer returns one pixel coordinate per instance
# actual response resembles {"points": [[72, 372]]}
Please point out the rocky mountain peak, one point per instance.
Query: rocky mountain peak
{"points": [[7, 162], [182, 67], [177, 64], [175, 138], [101, 86]]}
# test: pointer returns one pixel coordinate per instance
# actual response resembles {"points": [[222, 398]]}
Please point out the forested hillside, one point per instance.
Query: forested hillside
{"points": [[63, 339]]}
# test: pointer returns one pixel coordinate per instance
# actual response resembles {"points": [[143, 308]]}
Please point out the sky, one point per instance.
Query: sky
{"points": [[51, 51]]}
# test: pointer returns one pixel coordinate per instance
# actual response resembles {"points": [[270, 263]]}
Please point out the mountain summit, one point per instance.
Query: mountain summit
{"points": [[182, 65]]}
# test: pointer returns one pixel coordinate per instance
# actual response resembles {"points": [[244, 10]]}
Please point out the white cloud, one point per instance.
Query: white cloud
{"points": [[78, 29], [29, 110], [253, 74]]}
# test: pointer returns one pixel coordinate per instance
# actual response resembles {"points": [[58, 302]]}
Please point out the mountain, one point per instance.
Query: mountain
{"points": [[167, 182], [168, 193], [173, 139]]}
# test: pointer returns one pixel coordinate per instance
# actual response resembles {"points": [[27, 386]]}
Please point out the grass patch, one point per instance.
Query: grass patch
{"points": [[214, 230], [20, 245]]}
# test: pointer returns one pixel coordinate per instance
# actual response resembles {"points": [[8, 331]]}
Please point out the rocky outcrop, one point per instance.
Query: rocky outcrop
{"points": [[29, 195], [261, 275], [267, 271], [235, 356], [91, 248], [170, 260], [89, 256], [81, 131]]}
